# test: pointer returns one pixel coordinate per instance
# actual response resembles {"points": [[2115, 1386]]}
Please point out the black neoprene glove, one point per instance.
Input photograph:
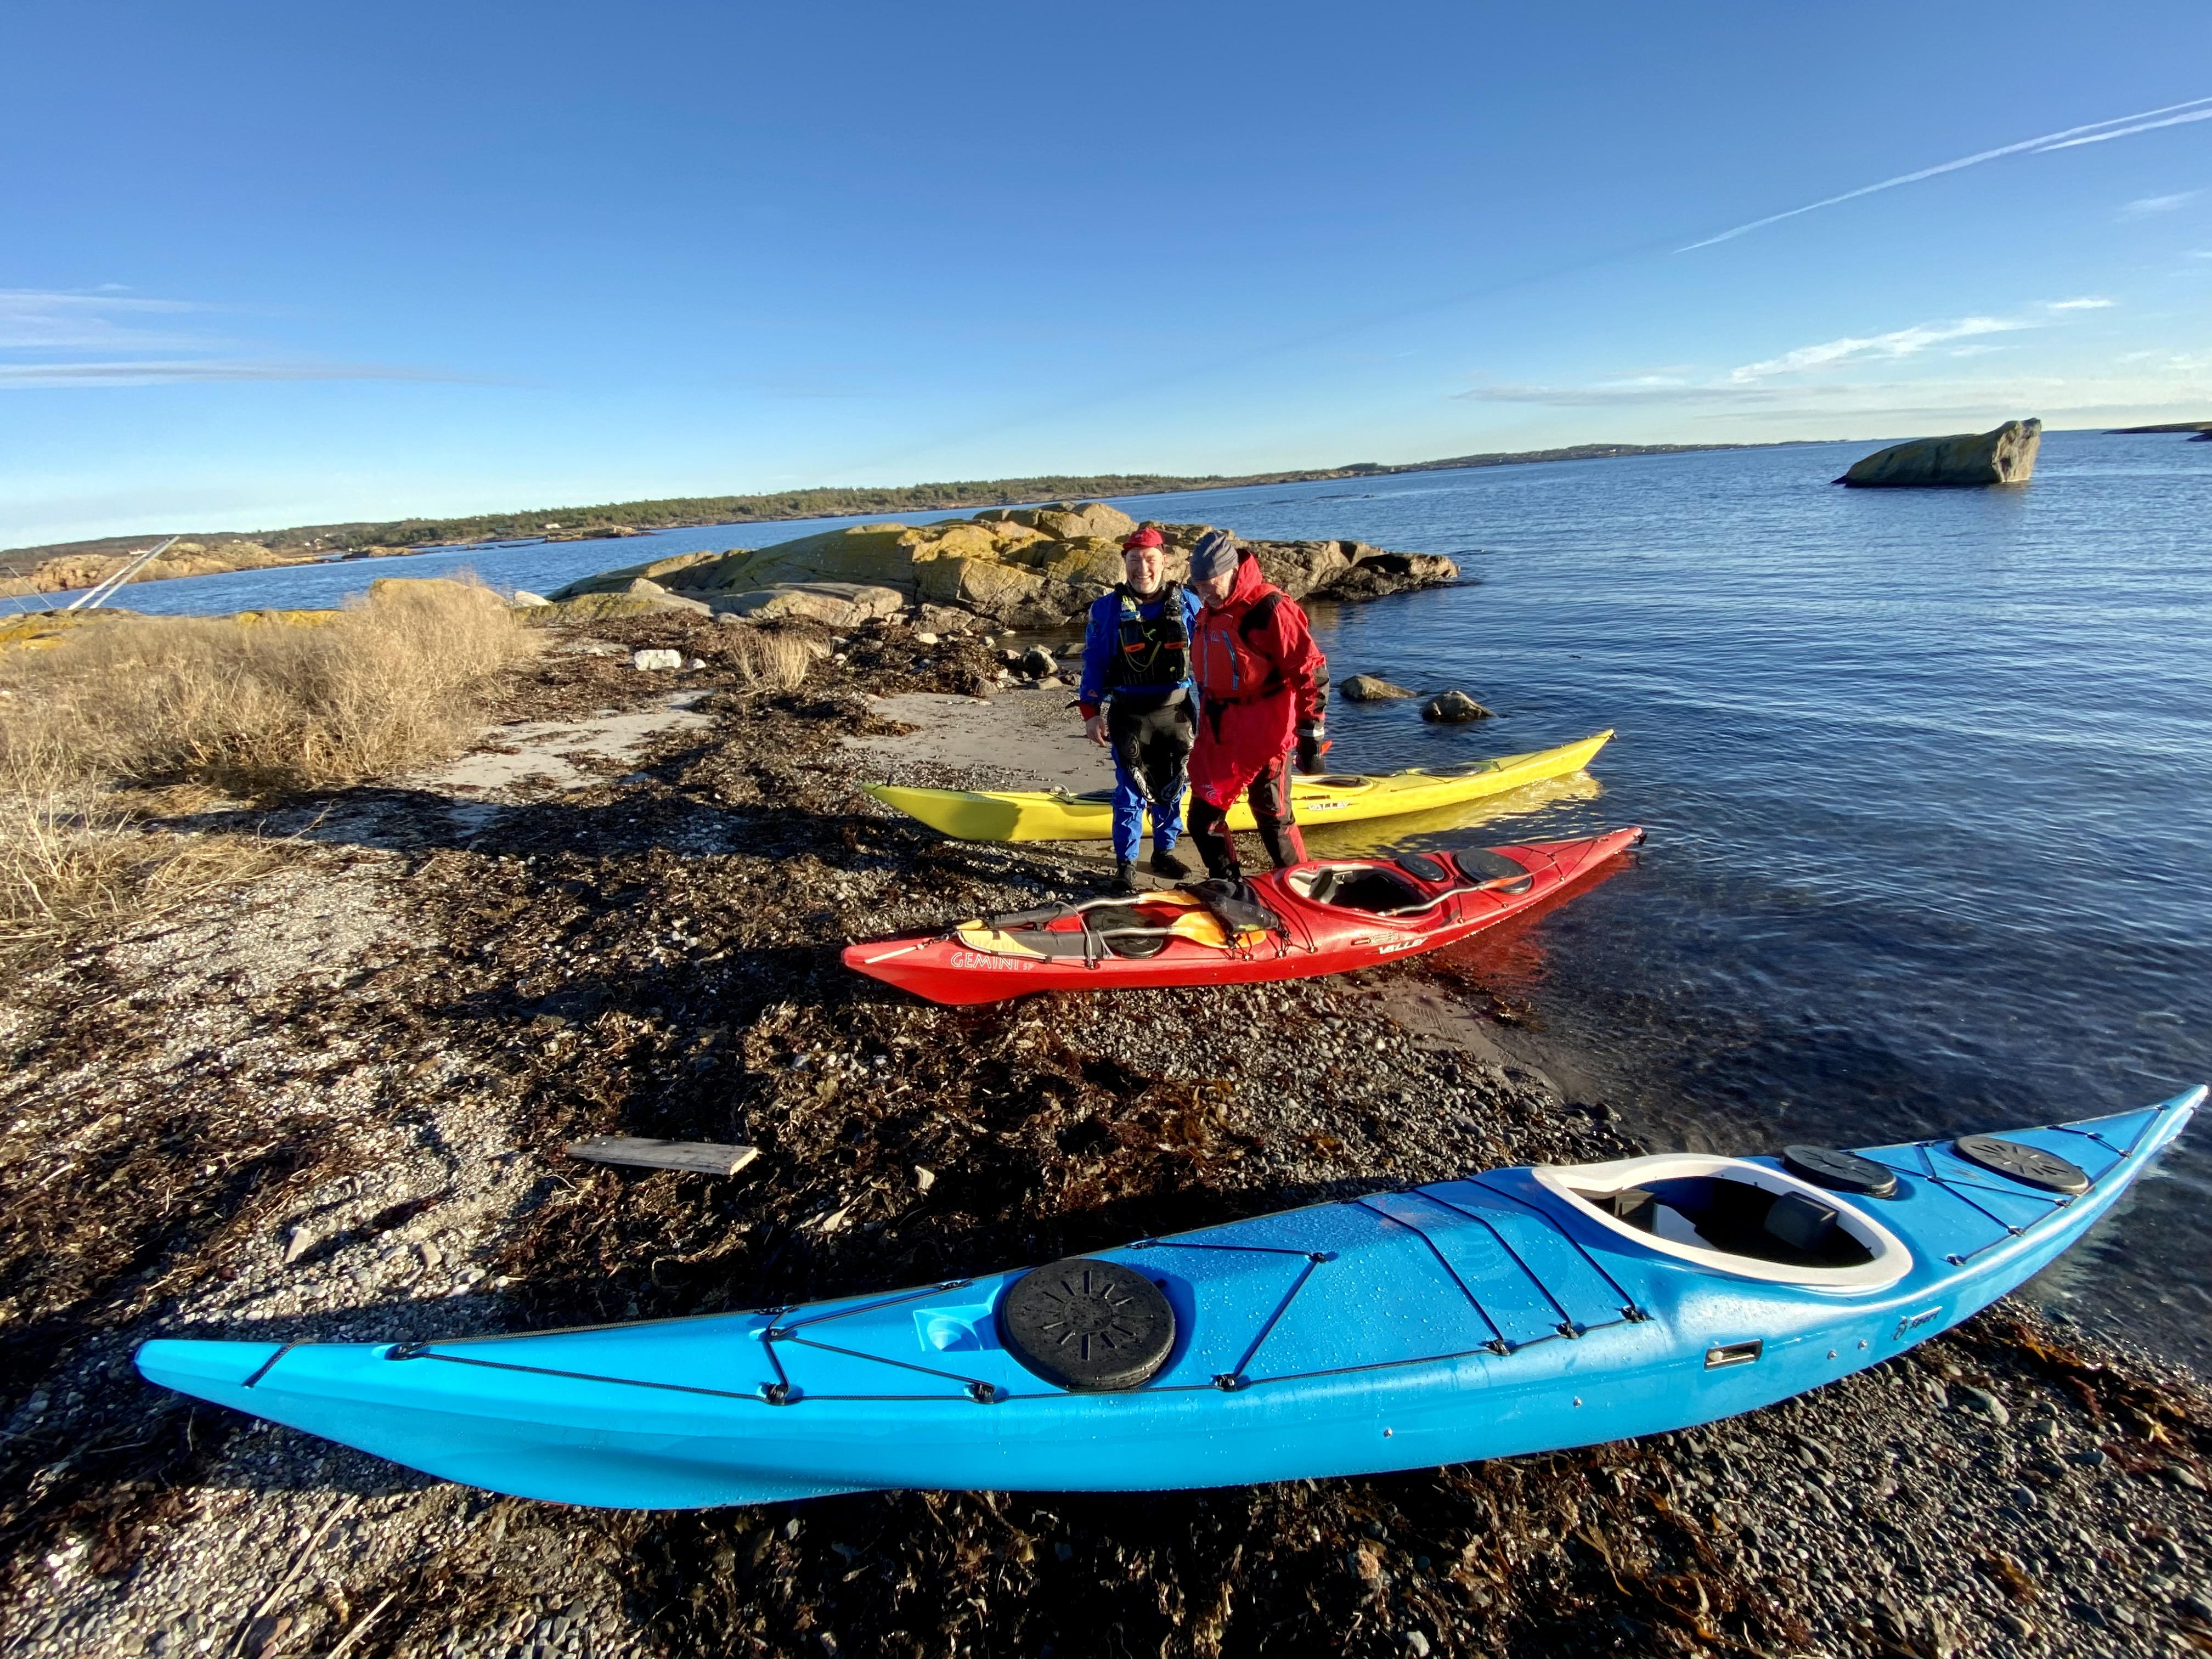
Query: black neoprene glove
{"points": [[1313, 743]]}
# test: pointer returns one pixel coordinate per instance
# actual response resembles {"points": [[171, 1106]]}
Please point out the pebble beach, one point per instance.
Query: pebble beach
{"points": [[332, 1105]]}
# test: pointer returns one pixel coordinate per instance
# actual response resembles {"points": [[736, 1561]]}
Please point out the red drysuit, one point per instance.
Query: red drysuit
{"points": [[1257, 684]]}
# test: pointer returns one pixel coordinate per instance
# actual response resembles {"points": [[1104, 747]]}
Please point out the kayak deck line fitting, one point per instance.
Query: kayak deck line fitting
{"points": [[1009, 815], [1522, 1309]]}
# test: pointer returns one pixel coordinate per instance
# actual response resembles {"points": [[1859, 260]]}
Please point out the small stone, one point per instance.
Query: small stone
{"points": [[1417, 1644], [2020, 1628], [925, 638], [525, 600], [1037, 663], [1982, 1400], [924, 1179], [2187, 1478], [651, 661], [1454, 708]]}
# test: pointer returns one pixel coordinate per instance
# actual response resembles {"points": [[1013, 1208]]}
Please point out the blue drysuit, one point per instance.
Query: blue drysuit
{"points": [[1150, 715]]}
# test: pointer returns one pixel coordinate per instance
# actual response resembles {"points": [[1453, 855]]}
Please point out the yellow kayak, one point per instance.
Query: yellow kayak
{"points": [[1057, 815]]}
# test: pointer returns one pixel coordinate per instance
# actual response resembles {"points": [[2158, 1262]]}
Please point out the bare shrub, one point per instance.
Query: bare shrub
{"points": [[772, 658]]}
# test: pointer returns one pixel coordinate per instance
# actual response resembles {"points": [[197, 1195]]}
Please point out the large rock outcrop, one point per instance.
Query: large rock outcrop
{"points": [[1968, 461], [1027, 566]]}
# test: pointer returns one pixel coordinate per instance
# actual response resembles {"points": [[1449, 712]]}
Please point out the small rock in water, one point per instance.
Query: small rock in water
{"points": [[656, 659], [1371, 688], [1453, 708], [1038, 662]]}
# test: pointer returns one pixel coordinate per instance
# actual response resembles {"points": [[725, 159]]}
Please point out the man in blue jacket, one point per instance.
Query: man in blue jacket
{"points": [[1137, 700]]}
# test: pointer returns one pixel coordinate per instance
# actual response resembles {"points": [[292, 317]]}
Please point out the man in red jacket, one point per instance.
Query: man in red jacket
{"points": [[1262, 686]]}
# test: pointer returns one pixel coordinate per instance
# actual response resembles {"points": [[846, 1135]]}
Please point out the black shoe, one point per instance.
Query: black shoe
{"points": [[1125, 880], [1167, 866]]}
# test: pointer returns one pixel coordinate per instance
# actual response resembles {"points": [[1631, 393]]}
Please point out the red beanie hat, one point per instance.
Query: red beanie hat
{"points": [[1147, 536]]}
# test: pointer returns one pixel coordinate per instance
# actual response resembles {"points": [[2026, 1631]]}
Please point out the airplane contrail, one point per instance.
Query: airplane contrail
{"points": [[2096, 133]]}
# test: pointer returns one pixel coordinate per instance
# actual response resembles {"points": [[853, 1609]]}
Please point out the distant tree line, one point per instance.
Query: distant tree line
{"points": [[861, 502]]}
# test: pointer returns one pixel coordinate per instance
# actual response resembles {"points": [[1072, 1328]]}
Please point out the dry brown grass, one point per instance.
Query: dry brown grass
{"points": [[267, 708], [72, 859], [256, 709], [772, 659]]}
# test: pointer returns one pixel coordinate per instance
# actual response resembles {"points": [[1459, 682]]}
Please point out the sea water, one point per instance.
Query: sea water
{"points": [[1925, 774]]}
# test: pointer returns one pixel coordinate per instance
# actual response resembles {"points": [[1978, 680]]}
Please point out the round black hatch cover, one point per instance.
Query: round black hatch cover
{"points": [[1088, 1326], [1480, 864], [1842, 1172], [2031, 1165]]}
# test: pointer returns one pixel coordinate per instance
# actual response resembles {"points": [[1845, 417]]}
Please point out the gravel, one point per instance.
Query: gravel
{"points": [[330, 1106]]}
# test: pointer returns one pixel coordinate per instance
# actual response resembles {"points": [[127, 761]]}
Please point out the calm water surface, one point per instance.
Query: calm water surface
{"points": [[1926, 777], [1925, 771]]}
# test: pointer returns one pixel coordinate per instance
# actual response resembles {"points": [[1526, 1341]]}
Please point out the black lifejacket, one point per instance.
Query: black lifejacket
{"points": [[1154, 651]]}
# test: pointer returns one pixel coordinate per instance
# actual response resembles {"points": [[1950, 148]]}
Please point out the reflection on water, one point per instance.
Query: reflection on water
{"points": [[1529, 809]]}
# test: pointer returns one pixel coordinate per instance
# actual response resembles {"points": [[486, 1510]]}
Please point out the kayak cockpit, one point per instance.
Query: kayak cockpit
{"points": [[1411, 884], [1731, 1216]]}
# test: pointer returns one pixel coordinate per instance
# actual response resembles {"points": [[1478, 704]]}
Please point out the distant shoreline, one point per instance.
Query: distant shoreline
{"points": [[621, 519]]}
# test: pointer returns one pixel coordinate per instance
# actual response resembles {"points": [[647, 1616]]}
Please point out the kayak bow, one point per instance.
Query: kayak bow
{"points": [[1520, 1310]]}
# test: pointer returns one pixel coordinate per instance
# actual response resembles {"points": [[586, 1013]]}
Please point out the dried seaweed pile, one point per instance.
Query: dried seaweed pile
{"points": [[352, 1128]]}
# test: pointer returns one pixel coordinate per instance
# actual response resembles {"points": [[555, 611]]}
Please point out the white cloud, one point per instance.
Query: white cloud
{"points": [[186, 372], [107, 332], [2143, 207], [33, 320], [1612, 394], [2096, 133], [1900, 342], [1823, 373]]}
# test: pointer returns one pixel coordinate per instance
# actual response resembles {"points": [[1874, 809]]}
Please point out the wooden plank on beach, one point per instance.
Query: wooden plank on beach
{"points": [[706, 1156]]}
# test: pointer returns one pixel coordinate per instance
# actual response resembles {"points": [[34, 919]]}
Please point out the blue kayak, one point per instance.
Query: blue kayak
{"points": [[1520, 1310]]}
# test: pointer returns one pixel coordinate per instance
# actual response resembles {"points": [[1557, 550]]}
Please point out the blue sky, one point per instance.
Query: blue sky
{"points": [[273, 264]]}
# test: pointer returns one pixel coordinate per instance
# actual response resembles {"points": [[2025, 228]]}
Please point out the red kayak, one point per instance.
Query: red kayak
{"points": [[1325, 916]]}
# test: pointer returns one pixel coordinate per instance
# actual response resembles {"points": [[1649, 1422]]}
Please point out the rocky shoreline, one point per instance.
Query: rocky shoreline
{"points": [[332, 1106], [1030, 567]]}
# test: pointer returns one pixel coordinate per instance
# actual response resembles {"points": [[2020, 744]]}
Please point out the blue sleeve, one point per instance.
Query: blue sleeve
{"points": [[1102, 637]]}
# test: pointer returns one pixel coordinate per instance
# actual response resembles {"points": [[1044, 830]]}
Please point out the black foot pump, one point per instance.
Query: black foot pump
{"points": [[1089, 1326]]}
